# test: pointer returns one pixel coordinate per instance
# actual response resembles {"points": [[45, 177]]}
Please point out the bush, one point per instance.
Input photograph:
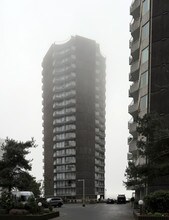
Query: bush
{"points": [[18, 212], [157, 202], [32, 206], [6, 202]]}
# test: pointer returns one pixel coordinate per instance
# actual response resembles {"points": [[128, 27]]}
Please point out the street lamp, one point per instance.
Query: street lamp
{"points": [[83, 181], [140, 202]]}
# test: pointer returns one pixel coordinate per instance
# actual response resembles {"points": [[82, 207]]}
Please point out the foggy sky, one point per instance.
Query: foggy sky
{"points": [[28, 28]]}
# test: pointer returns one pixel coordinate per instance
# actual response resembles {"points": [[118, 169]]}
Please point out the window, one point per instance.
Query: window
{"points": [[145, 31], [144, 55], [144, 79], [146, 6], [143, 103]]}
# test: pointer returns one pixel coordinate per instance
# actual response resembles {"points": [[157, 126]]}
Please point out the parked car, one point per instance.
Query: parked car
{"points": [[121, 199], [55, 201], [110, 201], [22, 196]]}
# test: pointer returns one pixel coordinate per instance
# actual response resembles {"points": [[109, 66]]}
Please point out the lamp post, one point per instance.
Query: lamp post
{"points": [[83, 181], [140, 202]]}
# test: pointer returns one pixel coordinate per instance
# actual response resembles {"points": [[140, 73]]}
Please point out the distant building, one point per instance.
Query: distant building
{"points": [[149, 71], [74, 119]]}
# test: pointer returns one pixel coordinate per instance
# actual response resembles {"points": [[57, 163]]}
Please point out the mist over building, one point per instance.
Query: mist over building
{"points": [[74, 119]]}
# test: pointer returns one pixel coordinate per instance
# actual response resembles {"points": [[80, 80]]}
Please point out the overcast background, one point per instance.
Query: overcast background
{"points": [[27, 30]]}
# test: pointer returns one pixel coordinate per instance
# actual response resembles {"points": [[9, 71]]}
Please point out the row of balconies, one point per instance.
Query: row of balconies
{"points": [[64, 114], [99, 148], [63, 155], [132, 145], [65, 170], [132, 126], [99, 155], [99, 162], [133, 91], [66, 128], [64, 87], [65, 95], [99, 190], [99, 170], [99, 178], [66, 178], [64, 120], [134, 71], [66, 186], [64, 78], [67, 144], [65, 162], [135, 8], [58, 72], [135, 28], [64, 60], [67, 136], [64, 103], [133, 108], [99, 133], [57, 53], [135, 49], [101, 142]]}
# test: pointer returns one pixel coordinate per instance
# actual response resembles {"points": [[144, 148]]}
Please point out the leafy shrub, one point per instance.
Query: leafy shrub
{"points": [[32, 206], [3, 211], [6, 201], [18, 212], [157, 202]]}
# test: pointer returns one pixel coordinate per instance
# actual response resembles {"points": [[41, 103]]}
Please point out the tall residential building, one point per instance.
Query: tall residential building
{"points": [[74, 119], [149, 70]]}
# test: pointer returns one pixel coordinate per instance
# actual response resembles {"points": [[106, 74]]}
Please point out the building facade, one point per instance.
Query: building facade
{"points": [[149, 69], [74, 119]]}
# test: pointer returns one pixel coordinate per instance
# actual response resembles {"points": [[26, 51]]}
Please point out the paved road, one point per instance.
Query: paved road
{"points": [[95, 212]]}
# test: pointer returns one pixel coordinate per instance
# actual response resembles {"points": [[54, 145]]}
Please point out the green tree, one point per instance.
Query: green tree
{"points": [[26, 182], [153, 146], [14, 165]]}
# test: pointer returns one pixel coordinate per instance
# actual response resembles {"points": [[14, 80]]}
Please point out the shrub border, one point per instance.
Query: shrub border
{"points": [[146, 217], [30, 217]]}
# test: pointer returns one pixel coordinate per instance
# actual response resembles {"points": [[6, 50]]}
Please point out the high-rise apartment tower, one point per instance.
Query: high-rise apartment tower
{"points": [[149, 70], [74, 119]]}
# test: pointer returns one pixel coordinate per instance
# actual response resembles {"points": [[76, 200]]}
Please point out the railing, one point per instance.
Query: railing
{"points": [[134, 25], [134, 5], [134, 67], [133, 107], [134, 87]]}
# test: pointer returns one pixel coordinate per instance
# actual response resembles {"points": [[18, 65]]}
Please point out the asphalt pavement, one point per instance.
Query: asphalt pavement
{"points": [[100, 211]]}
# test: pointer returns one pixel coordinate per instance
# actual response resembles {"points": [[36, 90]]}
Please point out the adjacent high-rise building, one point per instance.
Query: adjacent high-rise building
{"points": [[74, 119], [149, 70]]}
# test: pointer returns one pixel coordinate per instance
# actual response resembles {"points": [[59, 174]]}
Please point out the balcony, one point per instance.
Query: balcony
{"points": [[129, 156], [135, 7], [133, 109], [133, 91], [135, 28], [134, 71], [64, 186], [135, 46], [99, 148], [99, 156], [132, 146], [132, 126]]}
